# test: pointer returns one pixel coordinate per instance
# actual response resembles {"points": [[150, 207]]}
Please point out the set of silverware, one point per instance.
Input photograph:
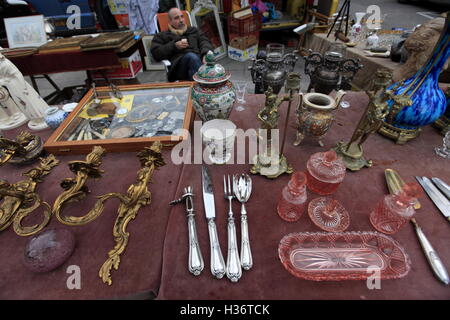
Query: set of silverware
{"points": [[237, 187], [240, 189]]}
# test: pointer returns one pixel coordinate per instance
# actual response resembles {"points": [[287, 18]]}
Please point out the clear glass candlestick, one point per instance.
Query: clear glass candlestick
{"points": [[444, 151]]}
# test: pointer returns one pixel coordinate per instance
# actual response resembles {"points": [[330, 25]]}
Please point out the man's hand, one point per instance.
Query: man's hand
{"points": [[182, 44]]}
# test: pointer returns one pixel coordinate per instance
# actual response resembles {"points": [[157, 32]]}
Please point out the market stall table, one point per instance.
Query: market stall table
{"points": [[70, 60], [155, 260], [359, 194]]}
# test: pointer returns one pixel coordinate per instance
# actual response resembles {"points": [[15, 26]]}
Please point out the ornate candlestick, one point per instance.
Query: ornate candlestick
{"points": [[270, 163], [25, 148], [370, 122], [75, 189], [20, 199]]}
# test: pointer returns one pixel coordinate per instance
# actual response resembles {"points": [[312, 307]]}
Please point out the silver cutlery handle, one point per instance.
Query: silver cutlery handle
{"points": [[234, 270], [217, 262], [432, 257], [195, 263], [246, 252]]}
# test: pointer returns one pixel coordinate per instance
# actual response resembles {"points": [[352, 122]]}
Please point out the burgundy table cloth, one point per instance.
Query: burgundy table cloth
{"points": [[359, 194], [76, 60], [155, 259], [139, 271]]}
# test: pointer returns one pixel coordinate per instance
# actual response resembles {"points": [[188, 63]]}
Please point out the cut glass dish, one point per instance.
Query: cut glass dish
{"points": [[342, 256]]}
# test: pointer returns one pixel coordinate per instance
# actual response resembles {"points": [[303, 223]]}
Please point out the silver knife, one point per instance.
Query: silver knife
{"points": [[445, 188], [217, 261], [438, 198]]}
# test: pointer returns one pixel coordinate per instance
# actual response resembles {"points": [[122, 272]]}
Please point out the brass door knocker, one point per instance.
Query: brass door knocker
{"points": [[20, 199], [75, 188]]}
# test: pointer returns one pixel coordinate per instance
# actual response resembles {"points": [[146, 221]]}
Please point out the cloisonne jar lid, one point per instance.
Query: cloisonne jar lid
{"points": [[211, 72]]}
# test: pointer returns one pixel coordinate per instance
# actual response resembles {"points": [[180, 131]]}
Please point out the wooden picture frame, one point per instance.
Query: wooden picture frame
{"points": [[204, 9], [66, 138], [28, 31]]}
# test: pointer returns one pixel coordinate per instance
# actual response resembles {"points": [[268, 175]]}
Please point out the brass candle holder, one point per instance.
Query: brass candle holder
{"points": [[75, 189], [371, 120], [25, 148], [270, 163], [20, 199]]}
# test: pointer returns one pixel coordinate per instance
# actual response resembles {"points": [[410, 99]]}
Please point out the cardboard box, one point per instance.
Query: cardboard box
{"points": [[130, 67], [242, 55]]}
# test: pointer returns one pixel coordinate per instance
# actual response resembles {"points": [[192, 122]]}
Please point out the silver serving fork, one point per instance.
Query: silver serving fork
{"points": [[233, 270]]}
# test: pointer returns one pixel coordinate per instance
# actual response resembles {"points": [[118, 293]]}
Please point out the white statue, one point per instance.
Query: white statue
{"points": [[25, 97], [10, 116]]}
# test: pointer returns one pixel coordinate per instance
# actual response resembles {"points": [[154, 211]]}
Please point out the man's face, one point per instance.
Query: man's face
{"points": [[176, 19]]}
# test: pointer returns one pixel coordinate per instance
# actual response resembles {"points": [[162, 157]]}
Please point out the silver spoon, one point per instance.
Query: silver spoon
{"points": [[242, 186]]}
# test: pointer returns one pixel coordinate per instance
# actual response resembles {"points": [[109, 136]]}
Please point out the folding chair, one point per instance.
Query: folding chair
{"points": [[161, 21]]}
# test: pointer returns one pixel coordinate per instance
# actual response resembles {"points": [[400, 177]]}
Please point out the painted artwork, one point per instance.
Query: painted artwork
{"points": [[25, 31]]}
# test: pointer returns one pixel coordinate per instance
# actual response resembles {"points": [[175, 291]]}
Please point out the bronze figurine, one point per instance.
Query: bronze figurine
{"points": [[270, 164], [370, 122]]}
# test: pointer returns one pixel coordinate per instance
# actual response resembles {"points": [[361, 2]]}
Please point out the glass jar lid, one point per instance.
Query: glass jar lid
{"points": [[326, 167], [211, 72]]}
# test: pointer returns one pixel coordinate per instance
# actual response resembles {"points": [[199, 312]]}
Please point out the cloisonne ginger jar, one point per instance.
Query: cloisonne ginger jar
{"points": [[213, 95]]}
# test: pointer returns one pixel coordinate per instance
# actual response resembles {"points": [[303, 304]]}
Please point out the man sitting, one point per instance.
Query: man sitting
{"points": [[185, 47]]}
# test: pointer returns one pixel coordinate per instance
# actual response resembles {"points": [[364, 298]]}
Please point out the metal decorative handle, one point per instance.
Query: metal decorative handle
{"points": [[246, 252], [195, 263], [432, 257], [234, 270], [217, 262]]}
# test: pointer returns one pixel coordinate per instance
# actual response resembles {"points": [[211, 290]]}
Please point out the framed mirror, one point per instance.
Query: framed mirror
{"points": [[205, 16]]}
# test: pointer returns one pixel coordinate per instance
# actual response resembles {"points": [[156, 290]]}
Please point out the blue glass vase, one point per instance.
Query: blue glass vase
{"points": [[418, 100]]}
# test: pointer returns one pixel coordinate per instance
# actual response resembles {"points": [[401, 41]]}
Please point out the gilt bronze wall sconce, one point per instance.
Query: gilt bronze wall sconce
{"points": [[75, 189], [137, 196], [25, 148], [20, 199]]}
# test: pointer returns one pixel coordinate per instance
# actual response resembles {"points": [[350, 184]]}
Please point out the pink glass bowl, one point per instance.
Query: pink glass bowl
{"points": [[324, 256], [328, 214]]}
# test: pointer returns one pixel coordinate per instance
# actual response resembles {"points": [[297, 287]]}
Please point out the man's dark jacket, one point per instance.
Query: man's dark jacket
{"points": [[163, 47]]}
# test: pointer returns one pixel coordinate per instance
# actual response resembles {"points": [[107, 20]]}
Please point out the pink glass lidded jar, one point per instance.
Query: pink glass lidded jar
{"points": [[394, 210], [292, 203], [325, 172]]}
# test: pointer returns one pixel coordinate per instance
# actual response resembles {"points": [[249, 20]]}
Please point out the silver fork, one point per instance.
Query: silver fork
{"points": [[234, 269]]}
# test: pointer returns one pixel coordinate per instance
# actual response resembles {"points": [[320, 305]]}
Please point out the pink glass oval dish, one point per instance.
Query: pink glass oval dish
{"points": [[328, 214], [339, 256]]}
